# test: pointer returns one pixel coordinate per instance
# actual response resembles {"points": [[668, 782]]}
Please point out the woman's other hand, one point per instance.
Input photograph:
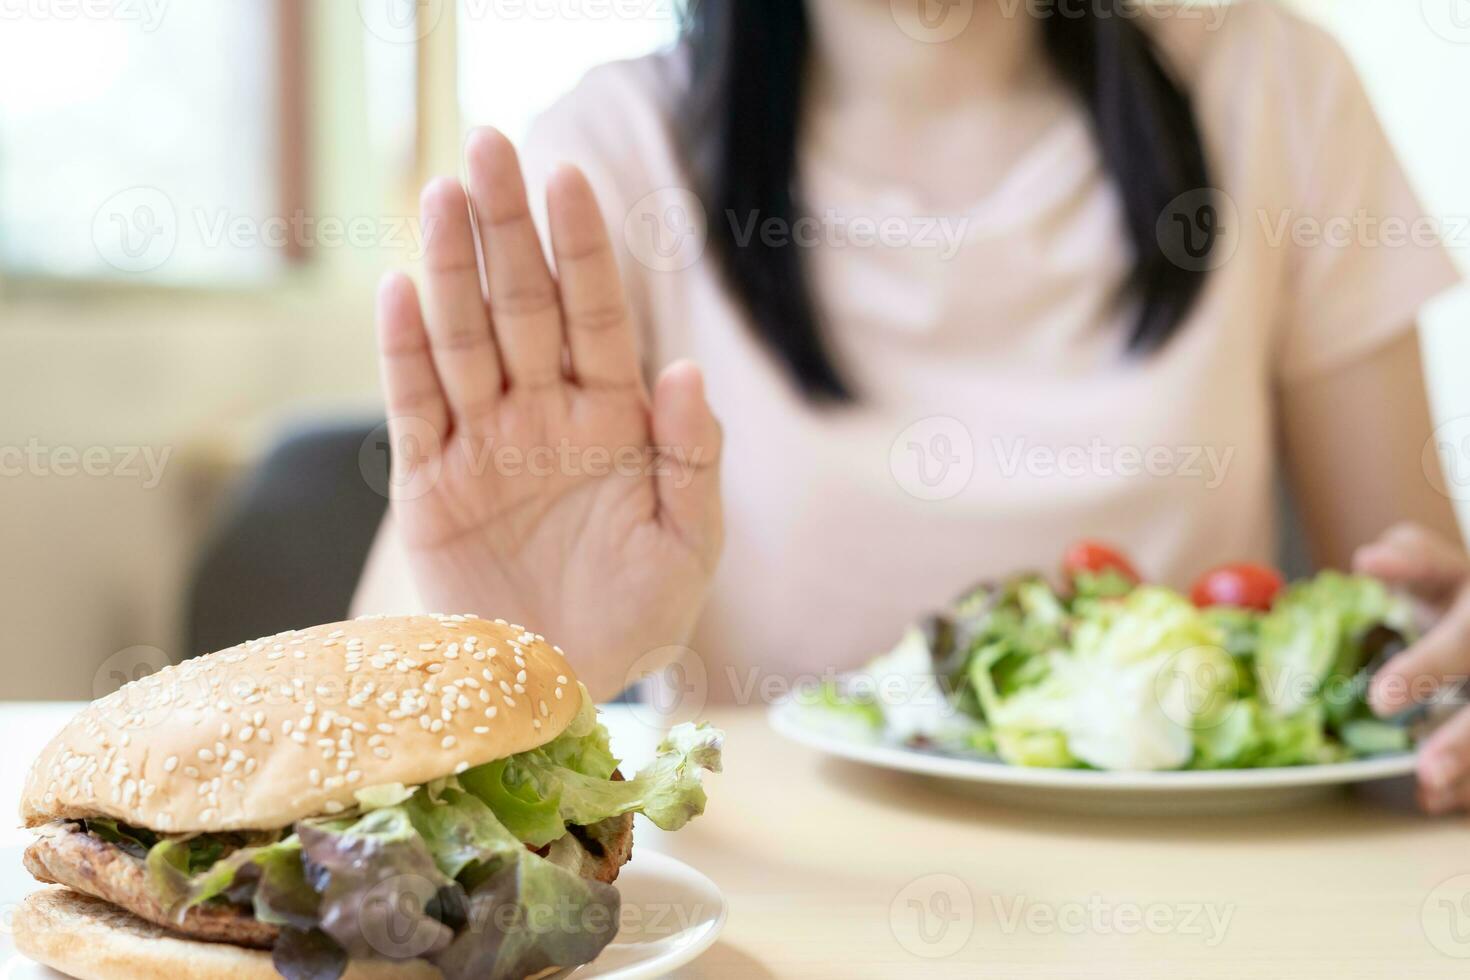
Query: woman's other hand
{"points": [[535, 477], [1436, 573]]}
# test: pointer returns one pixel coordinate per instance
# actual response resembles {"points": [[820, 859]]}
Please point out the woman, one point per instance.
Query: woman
{"points": [[897, 406]]}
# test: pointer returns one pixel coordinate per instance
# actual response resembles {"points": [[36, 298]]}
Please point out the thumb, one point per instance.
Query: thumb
{"points": [[1416, 559], [689, 442]]}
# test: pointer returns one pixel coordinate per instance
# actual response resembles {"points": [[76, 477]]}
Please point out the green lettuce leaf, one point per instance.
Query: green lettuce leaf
{"points": [[308, 955], [1317, 631], [185, 872], [535, 795], [528, 916], [381, 891], [515, 913]]}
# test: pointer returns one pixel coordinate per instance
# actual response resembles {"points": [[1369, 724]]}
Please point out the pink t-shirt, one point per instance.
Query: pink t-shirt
{"points": [[999, 418]]}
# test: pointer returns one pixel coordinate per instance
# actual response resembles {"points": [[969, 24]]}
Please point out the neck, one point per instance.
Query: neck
{"points": [[916, 56]]}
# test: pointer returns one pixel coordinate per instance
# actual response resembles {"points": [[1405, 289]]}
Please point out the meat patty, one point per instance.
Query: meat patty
{"points": [[67, 855], [606, 847]]}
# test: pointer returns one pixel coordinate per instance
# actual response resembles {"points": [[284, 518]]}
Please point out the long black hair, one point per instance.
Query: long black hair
{"points": [[740, 122]]}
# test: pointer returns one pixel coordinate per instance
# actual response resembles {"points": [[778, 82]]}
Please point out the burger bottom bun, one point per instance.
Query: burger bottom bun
{"points": [[90, 939]]}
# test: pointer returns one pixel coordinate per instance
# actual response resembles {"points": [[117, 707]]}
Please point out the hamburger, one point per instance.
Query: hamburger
{"points": [[394, 797]]}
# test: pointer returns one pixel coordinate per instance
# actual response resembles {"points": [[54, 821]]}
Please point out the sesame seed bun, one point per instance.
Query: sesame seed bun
{"points": [[88, 938], [269, 732]]}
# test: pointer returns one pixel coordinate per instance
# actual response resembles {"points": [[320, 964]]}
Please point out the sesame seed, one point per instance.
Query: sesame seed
{"points": [[205, 755], [332, 806], [171, 763], [461, 767], [482, 730], [541, 706], [447, 742], [509, 701], [558, 694]]}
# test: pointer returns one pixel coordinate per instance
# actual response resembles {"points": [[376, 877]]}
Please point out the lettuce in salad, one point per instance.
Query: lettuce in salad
{"points": [[1118, 676]]}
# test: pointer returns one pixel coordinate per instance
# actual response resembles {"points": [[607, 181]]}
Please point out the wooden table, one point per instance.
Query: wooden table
{"points": [[835, 870]]}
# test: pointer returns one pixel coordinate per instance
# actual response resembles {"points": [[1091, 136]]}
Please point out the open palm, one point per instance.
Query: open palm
{"points": [[535, 478]]}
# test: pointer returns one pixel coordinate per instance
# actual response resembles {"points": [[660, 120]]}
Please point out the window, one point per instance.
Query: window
{"points": [[518, 56], [148, 141]]}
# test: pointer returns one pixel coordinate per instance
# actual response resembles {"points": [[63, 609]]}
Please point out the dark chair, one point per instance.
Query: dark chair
{"points": [[292, 543]]}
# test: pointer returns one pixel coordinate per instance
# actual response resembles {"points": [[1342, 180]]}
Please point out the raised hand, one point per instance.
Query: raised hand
{"points": [[535, 478]]}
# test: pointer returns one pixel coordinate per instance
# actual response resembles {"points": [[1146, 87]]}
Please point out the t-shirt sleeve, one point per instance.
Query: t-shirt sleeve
{"points": [[1366, 256]]}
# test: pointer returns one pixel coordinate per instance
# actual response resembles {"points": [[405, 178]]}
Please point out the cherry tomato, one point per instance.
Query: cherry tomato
{"points": [[1093, 556], [1242, 584]]}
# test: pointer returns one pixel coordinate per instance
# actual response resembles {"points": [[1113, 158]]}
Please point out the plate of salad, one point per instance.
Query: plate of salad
{"points": [[1111, 693]]}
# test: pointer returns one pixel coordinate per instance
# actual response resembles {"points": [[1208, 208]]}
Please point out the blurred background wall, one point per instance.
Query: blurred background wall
{"points": [[173, 372]]}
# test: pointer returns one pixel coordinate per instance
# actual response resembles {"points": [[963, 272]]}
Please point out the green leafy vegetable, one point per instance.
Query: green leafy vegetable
{"points": [[1117, 676], [537, 793]]}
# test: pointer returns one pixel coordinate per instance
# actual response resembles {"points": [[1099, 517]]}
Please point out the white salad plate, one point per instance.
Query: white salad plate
{"points": [[1202, 792], [670, 914]]}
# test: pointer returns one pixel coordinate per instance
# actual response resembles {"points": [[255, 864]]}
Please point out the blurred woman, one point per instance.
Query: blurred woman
{"points": [[960, 291]]}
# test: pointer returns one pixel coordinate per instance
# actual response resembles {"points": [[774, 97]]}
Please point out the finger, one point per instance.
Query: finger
{"points": [[599, 330], [410, 385], [1444, 758], [1440, 656], [524, 310], [458, 326], [1414, 557], [690, 443], [1439, 800]]}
